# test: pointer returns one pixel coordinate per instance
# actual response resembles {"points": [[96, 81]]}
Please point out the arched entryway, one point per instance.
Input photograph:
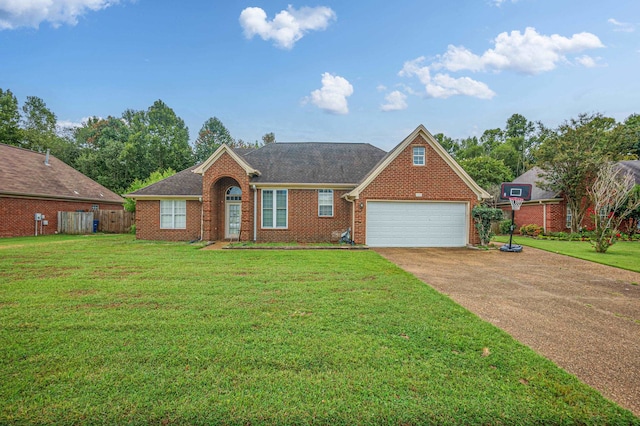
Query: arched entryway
{"points": [[225, 219]]}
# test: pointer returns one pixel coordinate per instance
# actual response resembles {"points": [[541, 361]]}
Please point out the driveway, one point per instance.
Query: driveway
{"points": [[583, 316]]}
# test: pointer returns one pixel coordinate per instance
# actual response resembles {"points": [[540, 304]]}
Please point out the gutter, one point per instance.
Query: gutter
{"points": [[201, 218], [255, 213]]}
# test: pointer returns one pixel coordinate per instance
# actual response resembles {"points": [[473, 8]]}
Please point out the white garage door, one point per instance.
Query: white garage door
{"points": [[408, 224]]}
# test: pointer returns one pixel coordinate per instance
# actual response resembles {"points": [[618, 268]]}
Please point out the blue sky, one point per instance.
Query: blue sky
{"points": [[356, 71]]}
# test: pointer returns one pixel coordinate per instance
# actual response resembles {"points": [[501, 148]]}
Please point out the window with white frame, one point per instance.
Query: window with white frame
{"points": [[274, 208], [173, 214], [325, 202], [568, 218], [418, 155]]}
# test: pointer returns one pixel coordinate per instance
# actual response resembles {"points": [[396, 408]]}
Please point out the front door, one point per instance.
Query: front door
{"points": [[232, 221]]}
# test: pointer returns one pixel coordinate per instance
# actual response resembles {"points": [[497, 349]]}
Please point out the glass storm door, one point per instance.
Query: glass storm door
{"points": [[232, 228]]}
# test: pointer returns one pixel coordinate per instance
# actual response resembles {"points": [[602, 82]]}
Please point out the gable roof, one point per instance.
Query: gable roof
{"points": [[228, 150], [387, 159], [184, 184], [313, 162], [24, 173]]}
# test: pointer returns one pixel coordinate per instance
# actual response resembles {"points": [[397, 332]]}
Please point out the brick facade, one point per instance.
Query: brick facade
{"points": [[148, 222], [17, 215], [401, 180], [551, 216], [304, 224]]}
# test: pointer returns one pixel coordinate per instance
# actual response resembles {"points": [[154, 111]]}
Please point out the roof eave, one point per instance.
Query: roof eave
{"points": [[224, 148]]}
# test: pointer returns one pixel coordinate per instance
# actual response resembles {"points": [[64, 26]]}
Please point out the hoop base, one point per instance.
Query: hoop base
{"points": [[513, 248]]}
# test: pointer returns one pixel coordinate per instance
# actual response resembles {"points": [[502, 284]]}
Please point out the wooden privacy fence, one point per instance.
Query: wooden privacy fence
{"points": [[75, 222], [115, 221], [112, 221]]}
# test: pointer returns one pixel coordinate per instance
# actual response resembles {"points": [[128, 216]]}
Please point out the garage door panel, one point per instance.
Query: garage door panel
{"points": [[429, 224]]}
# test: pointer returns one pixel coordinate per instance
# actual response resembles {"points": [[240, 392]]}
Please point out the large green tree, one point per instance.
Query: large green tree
{"points": [[38, 124], [102, 144], [486, 171], [572, 156], [10, 133], [210, 137]]}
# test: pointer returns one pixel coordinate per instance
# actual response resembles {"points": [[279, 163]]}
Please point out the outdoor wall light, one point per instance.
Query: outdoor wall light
{"points": [[361, 206]]}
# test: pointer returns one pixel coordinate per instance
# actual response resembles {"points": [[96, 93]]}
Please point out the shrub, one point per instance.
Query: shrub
{"points": [[531, 230], [505, 226], [483, 216]]}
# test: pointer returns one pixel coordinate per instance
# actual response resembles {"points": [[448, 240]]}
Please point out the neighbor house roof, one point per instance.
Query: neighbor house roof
{"points": [[533, 177], [34, 174], [633, 167]]}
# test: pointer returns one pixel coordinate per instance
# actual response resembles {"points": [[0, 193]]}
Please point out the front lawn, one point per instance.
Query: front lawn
{"points": [[106, 329], [623, 254]]}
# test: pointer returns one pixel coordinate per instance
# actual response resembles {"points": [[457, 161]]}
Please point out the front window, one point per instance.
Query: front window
{"points": [[568, 219], [234, 194], [173, 214], [418, 155], [274, 208], [325, 202]]}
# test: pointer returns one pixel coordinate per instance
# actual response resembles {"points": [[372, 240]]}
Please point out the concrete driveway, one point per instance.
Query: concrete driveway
{"points": [[583, 316]]}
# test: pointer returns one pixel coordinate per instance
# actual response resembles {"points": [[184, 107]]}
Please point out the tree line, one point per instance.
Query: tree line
{"points": [[115, 151], [119, 152]]}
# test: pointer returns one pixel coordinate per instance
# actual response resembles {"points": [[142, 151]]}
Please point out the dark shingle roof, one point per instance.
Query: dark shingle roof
{"points": [[24, 172], [532, 176], [633, 167], [182, 183], [305, 162], [313, 162]]}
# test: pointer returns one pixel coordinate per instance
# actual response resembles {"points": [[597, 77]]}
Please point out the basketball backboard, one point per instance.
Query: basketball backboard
{"points": [[519, 190]]}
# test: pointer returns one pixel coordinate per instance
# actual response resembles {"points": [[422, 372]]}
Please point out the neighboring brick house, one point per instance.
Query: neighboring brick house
{"points": [[415, 195], [548, 209], [32, 182]]}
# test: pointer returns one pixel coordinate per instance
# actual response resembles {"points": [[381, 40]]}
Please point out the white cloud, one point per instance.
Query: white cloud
{"points": [[588, 61], [332, 97], [500, 2], [528, 52], [395, 101], [443, 85], [31, 13], [624, 27], [288, 26]]}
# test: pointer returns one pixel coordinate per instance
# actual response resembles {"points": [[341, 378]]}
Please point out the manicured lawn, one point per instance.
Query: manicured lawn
{"points": [[106, 329], [623, 254]]}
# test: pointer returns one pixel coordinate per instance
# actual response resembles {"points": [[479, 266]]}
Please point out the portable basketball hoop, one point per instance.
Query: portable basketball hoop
{"points": [[516, 194]]}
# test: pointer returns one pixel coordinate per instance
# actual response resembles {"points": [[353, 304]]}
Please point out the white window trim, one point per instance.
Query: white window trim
{"points": [[423, 155], [173, 214], [567, 218], [274, 208], [325, 191]]}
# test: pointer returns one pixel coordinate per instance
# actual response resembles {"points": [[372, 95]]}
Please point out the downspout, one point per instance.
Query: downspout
{"points": [[255, 213], [544, 217], [201, 218], [353, 217]]}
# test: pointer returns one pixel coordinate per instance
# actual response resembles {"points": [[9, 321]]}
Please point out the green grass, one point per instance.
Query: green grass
{"points": [[105, 329], [623, 254]]}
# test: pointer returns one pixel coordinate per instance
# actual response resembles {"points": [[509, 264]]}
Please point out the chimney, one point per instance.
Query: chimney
{"points": [[46, 158]]}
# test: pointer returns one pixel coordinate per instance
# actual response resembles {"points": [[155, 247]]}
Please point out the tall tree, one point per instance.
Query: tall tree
{"points": [[9, 118], [210, 137], [486, 171], [39, 124], [518, 133], [572, 156], [102, 156], [631, 131], [268, 138], [168, 139], [450, 145]]}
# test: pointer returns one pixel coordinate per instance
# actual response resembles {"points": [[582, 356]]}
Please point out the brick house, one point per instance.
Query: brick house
{"points": [[548, 209], [33, 182], [414, 195]]}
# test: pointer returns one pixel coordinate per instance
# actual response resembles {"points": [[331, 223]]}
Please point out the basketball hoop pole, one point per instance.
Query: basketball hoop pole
{"points": [[516, 202]]}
